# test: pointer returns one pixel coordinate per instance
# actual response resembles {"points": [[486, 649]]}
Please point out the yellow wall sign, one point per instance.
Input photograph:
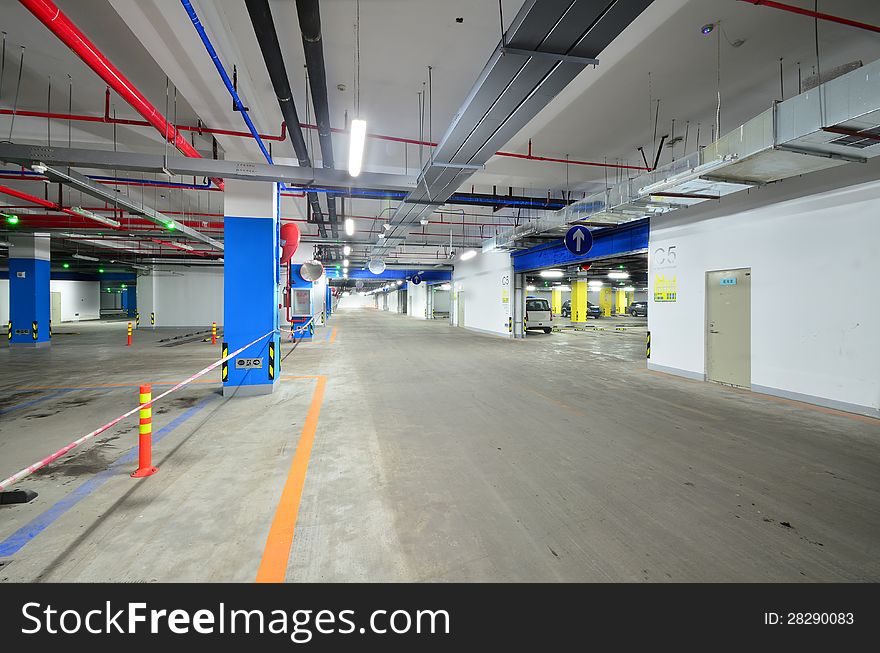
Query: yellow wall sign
{"points": [[665, 288], [505, 296]]}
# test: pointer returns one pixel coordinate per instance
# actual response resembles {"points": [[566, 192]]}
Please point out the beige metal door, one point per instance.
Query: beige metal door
{"points": [[55, 308], [728, 326]]}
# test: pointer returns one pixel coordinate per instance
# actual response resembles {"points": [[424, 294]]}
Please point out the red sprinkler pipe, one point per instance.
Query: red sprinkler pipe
{"points": [[814, 14], [46, 204], [60, 25]]}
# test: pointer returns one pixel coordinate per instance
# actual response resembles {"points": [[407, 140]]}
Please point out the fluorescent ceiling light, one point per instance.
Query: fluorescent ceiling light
{"points": [[83, 257], [552, 274], [185, 246], [530, 288], [381, 236], [628, 289], [39, 168], [562, 288], [386, 226], [357, 138], [618, 275], [345, 263], [349, 227], [346, 250], [446, 286], [400, 283], [468, 255], [92, 216], [594, 284]]}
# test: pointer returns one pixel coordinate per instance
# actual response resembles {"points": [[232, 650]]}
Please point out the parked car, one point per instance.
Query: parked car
{"points": [[538, 315], [592, 309], [638, 309]]}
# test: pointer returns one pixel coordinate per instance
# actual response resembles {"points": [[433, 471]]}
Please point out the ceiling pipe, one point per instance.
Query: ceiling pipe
{"points": [[109, 120], [309, 15], [264, 29], [814, 14], [283, 136], [60, 25], [46, 204]]}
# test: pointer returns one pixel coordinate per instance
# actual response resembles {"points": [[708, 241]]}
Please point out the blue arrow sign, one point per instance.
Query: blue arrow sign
{"points": [[578, 240]]}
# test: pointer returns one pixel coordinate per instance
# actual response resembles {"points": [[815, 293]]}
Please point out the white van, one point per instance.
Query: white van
{"points": [[538, 314]]}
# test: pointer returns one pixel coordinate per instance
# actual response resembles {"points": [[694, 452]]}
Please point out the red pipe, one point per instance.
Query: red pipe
{"points": [[60, 25], [46, 204], [814, 14]]}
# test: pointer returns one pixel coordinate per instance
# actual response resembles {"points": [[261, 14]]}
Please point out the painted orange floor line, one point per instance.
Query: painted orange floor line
{"points": [[276, 554], [333, 336]]}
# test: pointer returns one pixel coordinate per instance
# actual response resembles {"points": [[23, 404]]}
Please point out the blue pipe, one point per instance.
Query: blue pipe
{"points": [[194, 17]]}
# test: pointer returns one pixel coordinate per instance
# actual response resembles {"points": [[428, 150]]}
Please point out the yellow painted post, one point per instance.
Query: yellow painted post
{"points": [[606, 301], [630, 298], [556, 302], [579, 301], [621, 304]]}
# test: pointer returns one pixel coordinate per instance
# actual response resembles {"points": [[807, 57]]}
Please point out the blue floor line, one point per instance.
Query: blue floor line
{"points": [[14, 543], [57, 392]]}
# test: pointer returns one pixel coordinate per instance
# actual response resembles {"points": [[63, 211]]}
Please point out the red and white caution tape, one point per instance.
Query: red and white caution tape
{"points": [[300, 329], [27, 471]]}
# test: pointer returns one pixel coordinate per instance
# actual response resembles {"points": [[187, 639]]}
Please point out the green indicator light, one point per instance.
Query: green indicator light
{"points": [[170, 225], [100, 269], [65, 265], [10, 218], [124, 286]]}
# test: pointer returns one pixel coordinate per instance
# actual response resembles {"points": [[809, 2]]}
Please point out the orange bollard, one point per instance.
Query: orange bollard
{"points": [[129, 334], [145, 436], [213, 333]]}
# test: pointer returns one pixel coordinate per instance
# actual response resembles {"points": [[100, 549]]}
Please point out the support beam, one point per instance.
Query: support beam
{"points": [[82, 183], [28, 155]]}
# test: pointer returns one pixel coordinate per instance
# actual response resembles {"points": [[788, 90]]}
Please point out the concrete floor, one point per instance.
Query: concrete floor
{"points": [[439, 455]]}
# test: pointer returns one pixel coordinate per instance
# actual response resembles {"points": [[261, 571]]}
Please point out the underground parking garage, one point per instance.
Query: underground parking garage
{"points": [[589, 298]]}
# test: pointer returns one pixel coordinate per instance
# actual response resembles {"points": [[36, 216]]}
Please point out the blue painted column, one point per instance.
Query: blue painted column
{"points": [[251, 274], [29, 297]]}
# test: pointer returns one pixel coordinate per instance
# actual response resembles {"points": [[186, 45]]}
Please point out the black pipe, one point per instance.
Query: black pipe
{"points": [[309, 15], [264, 29]]}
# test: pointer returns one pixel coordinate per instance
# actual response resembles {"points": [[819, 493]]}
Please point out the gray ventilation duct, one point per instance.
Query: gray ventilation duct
{"points": [[547, 45], [310, 25], [264, 29]]}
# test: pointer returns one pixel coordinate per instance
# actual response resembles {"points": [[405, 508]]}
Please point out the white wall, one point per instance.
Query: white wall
{"points": [[181, 296], [80, 300], [4, 302], [812, 244], [392, 302], [417, 298], [356, 301], [481, 282], [82, 297]]}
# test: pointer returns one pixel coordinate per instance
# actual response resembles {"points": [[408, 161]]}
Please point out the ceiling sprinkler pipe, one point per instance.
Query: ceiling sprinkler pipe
{"points": [[60, 25]]}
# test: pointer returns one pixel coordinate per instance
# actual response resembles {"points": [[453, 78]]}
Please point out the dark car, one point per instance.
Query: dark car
{"points": [[638, 309], [592, 309]]}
